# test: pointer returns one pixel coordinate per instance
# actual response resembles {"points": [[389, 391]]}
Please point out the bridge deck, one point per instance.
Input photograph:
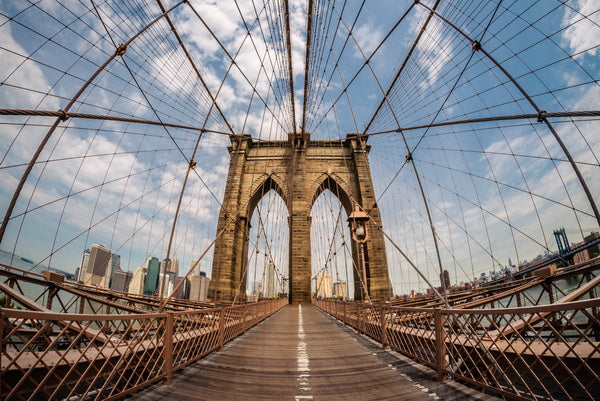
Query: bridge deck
{"points": [[301, 354]]}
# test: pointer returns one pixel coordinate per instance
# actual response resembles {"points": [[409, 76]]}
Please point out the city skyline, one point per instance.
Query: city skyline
{"points": [[484, 198], [298, 199]]}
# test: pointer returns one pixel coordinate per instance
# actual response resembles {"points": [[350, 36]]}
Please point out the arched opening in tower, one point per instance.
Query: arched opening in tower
{"points": [[334, 272], [267, 267]]}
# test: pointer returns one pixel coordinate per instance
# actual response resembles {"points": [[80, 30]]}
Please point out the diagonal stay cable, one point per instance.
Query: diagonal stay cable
{"points": [[143, 93], [365, 63], [232, 59], [66, 115], [289, 62], [478, 47], [53, 128], [309, 28], [196, 70]]}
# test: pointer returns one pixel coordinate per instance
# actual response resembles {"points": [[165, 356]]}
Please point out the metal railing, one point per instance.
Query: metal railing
{"points": [[103, 357], [529, 353]]}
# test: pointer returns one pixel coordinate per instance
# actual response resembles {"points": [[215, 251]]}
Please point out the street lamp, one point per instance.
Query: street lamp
{"points": [[358, 227]]}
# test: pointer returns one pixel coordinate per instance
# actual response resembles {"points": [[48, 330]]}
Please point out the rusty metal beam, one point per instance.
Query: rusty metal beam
{"points": [[66, 115], [306, 63], [289, 62], [120, 51]]}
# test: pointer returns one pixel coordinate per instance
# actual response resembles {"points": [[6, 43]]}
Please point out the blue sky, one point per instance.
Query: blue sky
{"points": [[495, 190]]}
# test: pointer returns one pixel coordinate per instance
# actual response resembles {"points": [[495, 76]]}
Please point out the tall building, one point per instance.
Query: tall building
{"points": [[199, 288], [195, 271], [170, 276], [168, 289], [114, 265], [183, 291], [166, 268], [270, 280], [136, 285], [152, 272], [120, 280], [324, 286], [445, 276], [97, 268], [175, 265], [85, 259], [340, 289], [250, 296]]}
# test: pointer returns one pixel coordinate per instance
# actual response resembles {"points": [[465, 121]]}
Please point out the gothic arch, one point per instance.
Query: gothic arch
{"points": [[337, 186], [264, 184], [299, 170]]}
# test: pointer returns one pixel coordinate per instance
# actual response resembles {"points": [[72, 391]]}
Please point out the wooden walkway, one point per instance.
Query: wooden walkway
{"points": [[301, 354]]}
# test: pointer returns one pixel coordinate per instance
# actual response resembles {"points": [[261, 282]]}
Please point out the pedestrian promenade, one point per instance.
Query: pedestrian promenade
{"points": [[302, 354]]}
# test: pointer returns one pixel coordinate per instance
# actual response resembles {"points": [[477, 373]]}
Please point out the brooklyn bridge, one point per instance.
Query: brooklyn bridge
{"points": [[299, 200]]}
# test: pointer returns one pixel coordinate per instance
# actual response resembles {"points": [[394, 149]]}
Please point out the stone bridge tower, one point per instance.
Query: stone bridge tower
{"points": [[299, 170]]}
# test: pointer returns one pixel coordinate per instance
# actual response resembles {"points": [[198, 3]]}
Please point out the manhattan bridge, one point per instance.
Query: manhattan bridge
{"points": [[299, 199]]}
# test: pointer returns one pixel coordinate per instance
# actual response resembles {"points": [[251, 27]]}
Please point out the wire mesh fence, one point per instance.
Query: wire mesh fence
{"points": [[103, 357], [536, 352]]}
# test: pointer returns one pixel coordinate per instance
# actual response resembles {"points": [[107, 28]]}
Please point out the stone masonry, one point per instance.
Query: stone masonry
{"points": [[299, 170]]}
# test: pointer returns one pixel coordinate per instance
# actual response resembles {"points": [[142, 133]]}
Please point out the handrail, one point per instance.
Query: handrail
{"points": [[532, 352], [105, 357]]}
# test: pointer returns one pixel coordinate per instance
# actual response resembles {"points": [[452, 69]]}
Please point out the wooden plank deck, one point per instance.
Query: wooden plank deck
{"points": [[302, 354]]}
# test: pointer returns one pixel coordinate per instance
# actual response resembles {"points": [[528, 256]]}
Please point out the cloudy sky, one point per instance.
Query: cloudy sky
{"points": [[495, 190]]}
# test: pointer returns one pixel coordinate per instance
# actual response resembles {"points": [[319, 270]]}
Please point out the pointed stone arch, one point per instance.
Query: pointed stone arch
{"points": [[263, 185], [298, 170], [337, 186]]}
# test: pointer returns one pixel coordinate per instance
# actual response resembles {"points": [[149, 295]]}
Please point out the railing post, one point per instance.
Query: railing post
{"points": [[221, 328], [344, 311], [244, 322], [383, 325], [440, 343], [360, 319], [168, 348]]}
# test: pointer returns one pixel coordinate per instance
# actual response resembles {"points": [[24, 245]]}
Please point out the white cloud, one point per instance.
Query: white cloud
{"points": [[368, 37], [583, 33], [22, 72]]}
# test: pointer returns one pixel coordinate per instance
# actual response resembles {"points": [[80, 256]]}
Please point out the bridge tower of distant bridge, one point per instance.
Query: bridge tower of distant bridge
{"points": [[299, 170]]}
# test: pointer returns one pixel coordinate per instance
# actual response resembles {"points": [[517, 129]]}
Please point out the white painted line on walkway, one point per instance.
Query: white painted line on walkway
{"points": [[302, 361]]}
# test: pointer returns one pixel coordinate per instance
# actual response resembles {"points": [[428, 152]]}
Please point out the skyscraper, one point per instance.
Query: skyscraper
{"points": [[120, 280], [199, 287], [175, 265], [340, 289], [183, 292], [196, 271], [114, 265], [152, 272], [324, 286], [97, 268], [165, 265], [270, 280], [168, 289], [136, 285], [445, 276], [85, 259]]}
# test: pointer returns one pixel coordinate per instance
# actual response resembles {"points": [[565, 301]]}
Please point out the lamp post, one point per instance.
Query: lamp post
{"points": [[358, 227]]}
